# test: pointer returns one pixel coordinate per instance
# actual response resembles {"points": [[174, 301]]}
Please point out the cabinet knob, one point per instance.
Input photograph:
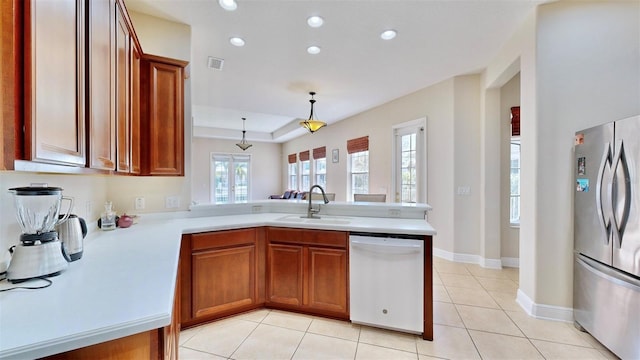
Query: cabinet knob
{"points": [[384, 311]]}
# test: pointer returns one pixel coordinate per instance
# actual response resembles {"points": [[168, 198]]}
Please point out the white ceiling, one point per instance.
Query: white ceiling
{"points": [[268, 80]]}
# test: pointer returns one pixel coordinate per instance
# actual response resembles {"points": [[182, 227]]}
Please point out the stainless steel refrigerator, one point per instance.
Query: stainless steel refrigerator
{"points": [[606, 290]]}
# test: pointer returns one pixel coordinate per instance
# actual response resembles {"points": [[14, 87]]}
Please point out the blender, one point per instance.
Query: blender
{"points": [[40, 252]]}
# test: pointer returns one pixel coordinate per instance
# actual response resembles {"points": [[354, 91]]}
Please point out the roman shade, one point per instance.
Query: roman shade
{"points": [[292, 158], [358, 144], [515, 121], [320, 153], [304, 156]]}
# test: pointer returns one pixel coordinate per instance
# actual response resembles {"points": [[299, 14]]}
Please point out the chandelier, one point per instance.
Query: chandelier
{"points": [[243, 144], [312, 125]]}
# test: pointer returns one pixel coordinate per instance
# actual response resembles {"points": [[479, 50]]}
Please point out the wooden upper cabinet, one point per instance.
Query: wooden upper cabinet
{"points": [[101, 92], [135, 109], [162, 115], [123, 85], [55, 81]]}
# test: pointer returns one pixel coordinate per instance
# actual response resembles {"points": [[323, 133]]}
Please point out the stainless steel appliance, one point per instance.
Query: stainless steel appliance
{"points": [[72, 232], [386, 281], [606, 291], [39, 252]]}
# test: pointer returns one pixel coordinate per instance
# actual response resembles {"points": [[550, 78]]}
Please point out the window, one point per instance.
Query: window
{"points": [[230, 178], [321, 172], [514, 204], [408, 173], [359, 169], [320, 166], [293, 172], [305, 171], [358, 150]]}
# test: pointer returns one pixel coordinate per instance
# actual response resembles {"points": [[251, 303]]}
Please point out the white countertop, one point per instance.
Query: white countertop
{"points": [[125, 281]]}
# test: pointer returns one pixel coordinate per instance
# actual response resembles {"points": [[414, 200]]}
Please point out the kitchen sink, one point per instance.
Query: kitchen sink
{"points": [[322, 220]]}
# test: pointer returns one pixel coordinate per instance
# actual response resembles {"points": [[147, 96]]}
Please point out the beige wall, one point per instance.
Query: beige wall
{"points": [[265, 167], [161, 37], [509, 96], [588, 72], [437, 103]]}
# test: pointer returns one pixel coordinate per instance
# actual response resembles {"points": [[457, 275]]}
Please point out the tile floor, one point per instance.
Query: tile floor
{"points": [[475, 317]]}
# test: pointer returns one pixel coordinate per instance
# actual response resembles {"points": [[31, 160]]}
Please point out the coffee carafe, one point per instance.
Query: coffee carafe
{"points": [[40, 252]]}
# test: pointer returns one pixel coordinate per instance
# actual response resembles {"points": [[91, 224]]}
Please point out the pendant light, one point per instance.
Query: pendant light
{"points": [[243, 144], [311, 124]]}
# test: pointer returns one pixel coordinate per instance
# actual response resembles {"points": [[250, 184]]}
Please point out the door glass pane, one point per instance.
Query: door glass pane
{"points": [[221, 181], [241, 188], [408, 168], [231, 178]]}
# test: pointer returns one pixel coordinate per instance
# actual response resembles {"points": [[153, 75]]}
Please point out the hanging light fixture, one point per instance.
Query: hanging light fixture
{"points": [[312, 125], [243, 144]]}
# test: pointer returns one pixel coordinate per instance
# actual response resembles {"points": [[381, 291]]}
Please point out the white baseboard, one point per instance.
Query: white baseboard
{"points": [[511, 262], [538, 311], [545, 312], [468, 259]]}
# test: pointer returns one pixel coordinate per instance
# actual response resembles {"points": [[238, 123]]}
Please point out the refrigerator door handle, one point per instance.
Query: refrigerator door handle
{"points": [[604, 220], [623, 195]]}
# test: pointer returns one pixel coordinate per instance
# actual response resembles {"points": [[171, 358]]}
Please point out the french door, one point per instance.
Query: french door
{"points": [[410, 162], [230, 178]]}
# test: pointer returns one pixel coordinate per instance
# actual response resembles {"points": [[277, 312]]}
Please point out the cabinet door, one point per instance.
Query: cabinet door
{"points": [[223, 279], [123, 67], [327, 280], [135, 109], [164, 120], [55, 81], [101, 92], [285, 274]]}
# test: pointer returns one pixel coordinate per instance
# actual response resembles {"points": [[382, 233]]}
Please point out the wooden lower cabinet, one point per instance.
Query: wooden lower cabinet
{"points": [[327, 288], [307, 271], [285, 274], [222, 274]]}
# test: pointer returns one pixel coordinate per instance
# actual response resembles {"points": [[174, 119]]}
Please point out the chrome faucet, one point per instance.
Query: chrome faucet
{"points": [[310, 210]]}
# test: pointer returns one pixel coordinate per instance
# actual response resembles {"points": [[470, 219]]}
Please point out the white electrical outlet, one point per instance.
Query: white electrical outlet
{"points": [[172, 202], [394, 212], [139, 203], [256, 208]]}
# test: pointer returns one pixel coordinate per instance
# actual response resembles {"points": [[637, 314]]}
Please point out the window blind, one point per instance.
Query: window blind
{"points": [[320, 153], [358, 144], [515, 121], [304, 156], [292, 158]]}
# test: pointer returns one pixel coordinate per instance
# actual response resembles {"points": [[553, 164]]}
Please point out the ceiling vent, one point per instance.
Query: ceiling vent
{"points": [[215, 63]]}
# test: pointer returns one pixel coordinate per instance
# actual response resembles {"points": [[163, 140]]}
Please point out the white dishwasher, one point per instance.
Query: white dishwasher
{"points": [[386, 280]]}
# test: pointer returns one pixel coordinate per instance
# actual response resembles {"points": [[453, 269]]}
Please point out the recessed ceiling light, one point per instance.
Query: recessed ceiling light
{"points": [[228, 5], [315, 21], [388, 34], [236, 41], [313, 50]]}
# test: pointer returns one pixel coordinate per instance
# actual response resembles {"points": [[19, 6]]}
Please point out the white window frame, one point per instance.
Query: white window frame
{"points": [[419, 126], [317, 173], [304, 175], [292, 176], [514, 198], [351, 174], [232, 158]]}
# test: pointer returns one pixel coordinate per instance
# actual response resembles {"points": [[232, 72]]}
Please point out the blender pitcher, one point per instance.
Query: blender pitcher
{"points": [[39, 252]]}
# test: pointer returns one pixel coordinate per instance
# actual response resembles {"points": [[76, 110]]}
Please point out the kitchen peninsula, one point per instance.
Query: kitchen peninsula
{"points": [[125, 283]]}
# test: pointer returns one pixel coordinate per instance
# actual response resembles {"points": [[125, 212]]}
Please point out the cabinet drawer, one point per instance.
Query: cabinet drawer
{"points": [[222, 239], [325, 237], [282, 234], [309, 237]]}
